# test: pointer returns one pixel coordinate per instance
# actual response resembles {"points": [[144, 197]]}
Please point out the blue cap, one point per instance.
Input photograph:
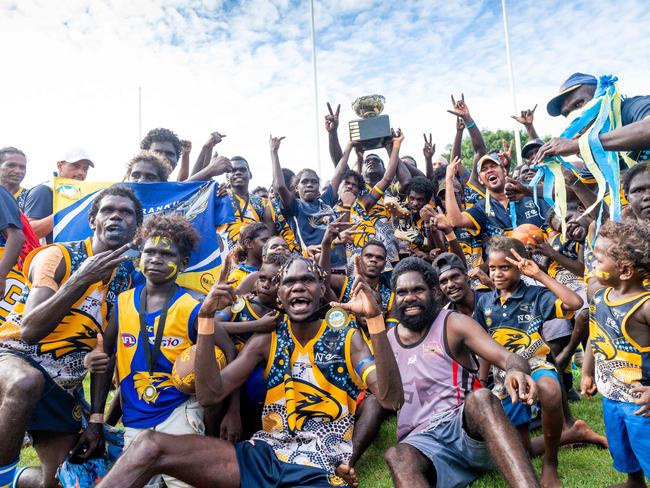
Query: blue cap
{"points": [[554, 106]]}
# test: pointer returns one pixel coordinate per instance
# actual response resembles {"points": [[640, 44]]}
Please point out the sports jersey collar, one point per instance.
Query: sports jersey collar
{"points": [[311, 342], [519, 293], [136, 300]]}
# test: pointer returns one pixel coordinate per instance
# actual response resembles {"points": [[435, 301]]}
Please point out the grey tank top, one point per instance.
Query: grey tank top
{"points": [[434, 383]]}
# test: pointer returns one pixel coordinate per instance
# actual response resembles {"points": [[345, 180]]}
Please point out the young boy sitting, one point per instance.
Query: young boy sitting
{"points": [[619, 342], [514, 314]]}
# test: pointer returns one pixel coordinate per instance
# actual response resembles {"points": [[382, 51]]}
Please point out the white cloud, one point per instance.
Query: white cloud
{"points": [[71, 70]]}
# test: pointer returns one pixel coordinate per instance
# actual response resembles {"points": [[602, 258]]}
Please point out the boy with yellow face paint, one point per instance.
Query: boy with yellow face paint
{"points": [[617, 361], [152, 325]]}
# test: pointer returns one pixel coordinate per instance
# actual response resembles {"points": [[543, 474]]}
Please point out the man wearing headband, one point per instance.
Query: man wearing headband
{"points": [[633, 136]]}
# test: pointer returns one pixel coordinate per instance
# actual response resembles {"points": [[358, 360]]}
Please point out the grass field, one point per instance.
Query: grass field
{"points": [[578, 467]]}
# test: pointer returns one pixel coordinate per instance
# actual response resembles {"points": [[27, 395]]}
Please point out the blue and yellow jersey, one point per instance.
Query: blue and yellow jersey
{"points": [[282, 227], [240, 272], [246, 212], [308, 415], [621, 363], [132, 373], [472, 195], [589, 258], [566, 247], [15, 285], [516, 323], [247, 314], [471, 246], [20, 197], [62, 351]]}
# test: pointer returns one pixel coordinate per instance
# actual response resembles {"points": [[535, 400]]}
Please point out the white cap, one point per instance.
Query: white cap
{"points": [[74, 154]]}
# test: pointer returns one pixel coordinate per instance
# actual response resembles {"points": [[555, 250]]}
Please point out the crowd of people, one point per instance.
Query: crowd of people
{"points": [[456, 296]]}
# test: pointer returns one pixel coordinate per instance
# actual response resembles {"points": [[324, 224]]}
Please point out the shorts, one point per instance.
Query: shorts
{"points": [[457, 458], [56, 410], [259, 466], [628, 436], [187, 418], [519, 413], [556, 329]]}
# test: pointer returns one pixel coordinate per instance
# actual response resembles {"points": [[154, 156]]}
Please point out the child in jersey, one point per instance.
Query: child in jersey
{"points": [[514, 314], [617, 362], [148, 397], [249, 251]]}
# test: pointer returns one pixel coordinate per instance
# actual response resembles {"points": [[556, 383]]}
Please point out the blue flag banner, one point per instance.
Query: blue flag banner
{"points": [[196, 200]]}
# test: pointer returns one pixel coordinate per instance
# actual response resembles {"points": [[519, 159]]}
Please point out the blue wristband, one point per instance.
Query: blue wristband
{"points": [[471, 125]]}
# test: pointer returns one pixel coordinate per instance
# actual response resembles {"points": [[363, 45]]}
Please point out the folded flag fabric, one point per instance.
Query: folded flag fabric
{"points": [[196, 200]]}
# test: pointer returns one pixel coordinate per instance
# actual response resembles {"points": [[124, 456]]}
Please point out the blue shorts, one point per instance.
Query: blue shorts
{"points": [[519, 413], [56, 410], [628, 436], [259, 466], [457, 458]]}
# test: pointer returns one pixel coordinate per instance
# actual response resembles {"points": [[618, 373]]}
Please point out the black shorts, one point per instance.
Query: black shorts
{"points": [[259, 466], [56, 410]]}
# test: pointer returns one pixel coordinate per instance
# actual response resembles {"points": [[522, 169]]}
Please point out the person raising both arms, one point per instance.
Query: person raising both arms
{"points": [[308, 416]]}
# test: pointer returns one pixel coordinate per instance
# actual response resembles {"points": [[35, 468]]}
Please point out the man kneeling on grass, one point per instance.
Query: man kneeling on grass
{"points": [[450, 430], [314, 372]]}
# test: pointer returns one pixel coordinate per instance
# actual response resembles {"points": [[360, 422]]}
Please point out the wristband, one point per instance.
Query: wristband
{"points": [[96, 418], [365, 374], [206, 325], [451, 236], [376, 324], [470, 125]]}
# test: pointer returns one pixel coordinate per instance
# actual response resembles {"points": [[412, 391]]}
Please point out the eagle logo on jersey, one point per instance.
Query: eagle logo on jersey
{"points": [[306, 401], [512, 339], [159, 380], [602, 346], [76, 332]]}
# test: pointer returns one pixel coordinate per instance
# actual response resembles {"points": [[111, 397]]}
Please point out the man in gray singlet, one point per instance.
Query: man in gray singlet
{"points": [[450, 430]]}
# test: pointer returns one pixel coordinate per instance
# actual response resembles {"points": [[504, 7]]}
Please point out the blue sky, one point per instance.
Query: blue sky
{"points": [[71, 69]]}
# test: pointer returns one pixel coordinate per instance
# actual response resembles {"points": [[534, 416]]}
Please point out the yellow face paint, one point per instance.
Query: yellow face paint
{"points": [[601, 274], [174, 269], [166, 243]]}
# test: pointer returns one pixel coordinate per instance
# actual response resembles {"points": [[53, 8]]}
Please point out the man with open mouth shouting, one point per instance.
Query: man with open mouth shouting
{"points": [[315, 369]]}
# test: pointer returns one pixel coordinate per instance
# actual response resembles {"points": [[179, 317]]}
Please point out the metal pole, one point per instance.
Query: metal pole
{"points": [[313, 61], [512, 80], [139, 114]]}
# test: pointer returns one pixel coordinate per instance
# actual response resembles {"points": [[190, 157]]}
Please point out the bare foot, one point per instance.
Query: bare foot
{"points": [[581, 433], [550, 477], [634, 480], [348, 474]]}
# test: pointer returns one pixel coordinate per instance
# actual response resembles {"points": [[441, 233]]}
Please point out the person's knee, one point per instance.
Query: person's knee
{"points": [[146, 444], [24, 386], [480, 401], [391, 457], [549, 391]]}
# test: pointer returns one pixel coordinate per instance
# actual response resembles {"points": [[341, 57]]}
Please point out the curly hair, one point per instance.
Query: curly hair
{"points": [[633, 172], [358, 179], [162, 135], [174, 227], [375, 242], [422, 185], [276, 259], [117, 190], [163, 167], [248, 232], [429, 274], [630, 243], [9, 150], [506, 245]]}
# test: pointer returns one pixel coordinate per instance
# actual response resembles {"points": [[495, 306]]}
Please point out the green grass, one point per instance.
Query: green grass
{"points": [[582, 467]]}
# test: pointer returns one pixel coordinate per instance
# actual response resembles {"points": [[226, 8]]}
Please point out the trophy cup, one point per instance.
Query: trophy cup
{"points": [[372, 130]]}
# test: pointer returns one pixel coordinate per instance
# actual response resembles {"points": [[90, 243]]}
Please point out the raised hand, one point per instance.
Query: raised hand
{"points": [[460, 108], [542, 247], [505, 154], [215, 138], [527, 267], [441, 222], [398, 137], [481, 276], [274, 143], [268, 322], [363, 302], [96, 361], [452, 169], [558, 146], [100, 266], [221, 294], [332, 120], [527, 116], [520, 387], [334, 228], [516, 190], [427, 213], [220, 165], [186, 146], [429, 148]]}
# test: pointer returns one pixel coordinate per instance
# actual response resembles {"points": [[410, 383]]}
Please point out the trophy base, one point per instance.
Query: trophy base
{"points": [[372, 133]]}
